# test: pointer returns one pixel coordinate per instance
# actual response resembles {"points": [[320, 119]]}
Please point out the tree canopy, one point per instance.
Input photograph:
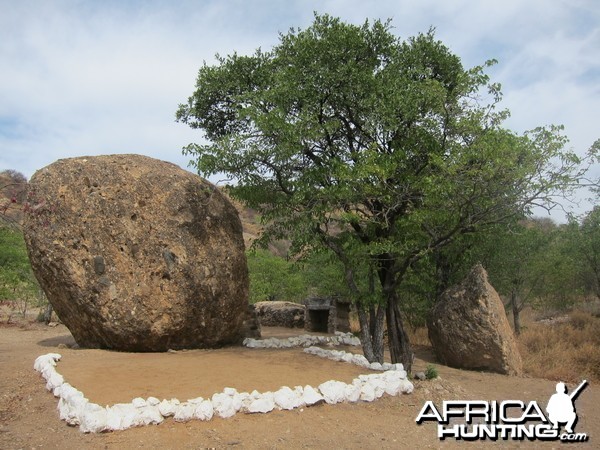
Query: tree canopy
{"points": [[381, 150]]}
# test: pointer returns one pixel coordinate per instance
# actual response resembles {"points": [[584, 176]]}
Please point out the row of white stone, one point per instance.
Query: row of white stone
{"points": [[352, 358], [305, 340], [309, 341], [75, 409]]}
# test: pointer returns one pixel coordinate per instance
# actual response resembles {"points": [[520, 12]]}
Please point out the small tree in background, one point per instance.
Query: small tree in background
{"points": [[17, 282], [274, 278], [587, 243], [516, 258], [13, 195], [382, 151]]}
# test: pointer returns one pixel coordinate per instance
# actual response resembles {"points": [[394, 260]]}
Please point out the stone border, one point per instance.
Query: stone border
{"points": [[75, 409], [304, 340], [352, 358]]}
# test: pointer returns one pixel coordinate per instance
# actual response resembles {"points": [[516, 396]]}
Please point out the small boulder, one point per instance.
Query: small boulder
{"points": [[280, 314], [137, 254], [468, 328], [420, 376]]}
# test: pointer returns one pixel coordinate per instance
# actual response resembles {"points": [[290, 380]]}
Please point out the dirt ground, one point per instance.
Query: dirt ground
{"points": [[28, 416]]}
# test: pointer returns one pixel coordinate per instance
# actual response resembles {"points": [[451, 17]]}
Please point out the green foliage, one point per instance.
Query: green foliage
{"points": [[347, 137], [273, 278], [276, 278], [323, 275], [431, 372], [587, 243], [521, 259], [17, 282], [382, 151]]}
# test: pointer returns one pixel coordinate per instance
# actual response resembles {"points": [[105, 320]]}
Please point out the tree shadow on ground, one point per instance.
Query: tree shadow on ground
{"points": [[66, 339]]}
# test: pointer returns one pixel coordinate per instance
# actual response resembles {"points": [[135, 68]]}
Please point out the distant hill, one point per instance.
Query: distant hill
{"points": [[252, 228]]}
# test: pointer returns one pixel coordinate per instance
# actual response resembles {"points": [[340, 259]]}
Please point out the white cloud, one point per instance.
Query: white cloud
{"points": [[92, 77]]}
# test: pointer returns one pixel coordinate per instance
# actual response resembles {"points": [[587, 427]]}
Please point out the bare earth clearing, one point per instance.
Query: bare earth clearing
{"points": [[28, 416]]}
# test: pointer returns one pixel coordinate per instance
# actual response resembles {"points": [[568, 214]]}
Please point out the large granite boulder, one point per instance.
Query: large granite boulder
{"points": [[137, 254], [280, 314], [468, 328]]}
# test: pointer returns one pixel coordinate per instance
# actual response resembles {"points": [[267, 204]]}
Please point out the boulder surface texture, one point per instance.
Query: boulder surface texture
{"points": [[468, 328], [137, 254], [280, 314]]}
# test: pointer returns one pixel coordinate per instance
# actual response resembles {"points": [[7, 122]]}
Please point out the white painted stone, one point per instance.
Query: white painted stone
{"points": [[184, 412], [286, 398], [223, 405], [93, 419], [333, 391], [122, 416], [204, 410], [376, 366], [311, 396], [167, 408], [406, 387], [352, 393], [150, 415], [264, 404], [138, 402], [152, 401], [367, 392], [71, 405], [360, 360]]}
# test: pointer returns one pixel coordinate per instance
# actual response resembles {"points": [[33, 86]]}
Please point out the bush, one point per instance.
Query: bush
{"points": [[274, 278], [18, 285], [431, 372]]}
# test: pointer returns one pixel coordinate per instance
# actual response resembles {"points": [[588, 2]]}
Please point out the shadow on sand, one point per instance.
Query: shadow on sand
{"points": [[66, 339]]}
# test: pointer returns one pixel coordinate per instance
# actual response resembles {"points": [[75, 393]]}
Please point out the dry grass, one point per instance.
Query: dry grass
{"points": [[567, 351], [563, 347], [417, 337]]}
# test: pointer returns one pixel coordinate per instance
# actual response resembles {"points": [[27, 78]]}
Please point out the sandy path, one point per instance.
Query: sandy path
{"points": [[110, 377], [28, 417]]}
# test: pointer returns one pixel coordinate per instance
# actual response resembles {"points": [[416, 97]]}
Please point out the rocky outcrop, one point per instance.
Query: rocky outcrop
{"points": [[280, 314], [137, 254], [469, 329]]}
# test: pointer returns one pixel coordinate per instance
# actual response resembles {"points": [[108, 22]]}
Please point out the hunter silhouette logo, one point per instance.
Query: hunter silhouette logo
{"points": [[509, 419], [560, 407]]}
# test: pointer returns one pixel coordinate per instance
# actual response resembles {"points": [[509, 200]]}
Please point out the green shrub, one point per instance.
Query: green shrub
{"points": [[17, 283], [431, 372]]}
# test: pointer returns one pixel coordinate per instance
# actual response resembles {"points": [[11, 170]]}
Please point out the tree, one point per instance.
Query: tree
{"points": [[13, 194], [588, 244], [274, 278], [517, 260], [381, 150]]}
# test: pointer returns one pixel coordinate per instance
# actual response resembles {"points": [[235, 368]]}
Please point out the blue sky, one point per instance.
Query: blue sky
{"points": [[100, 77]]}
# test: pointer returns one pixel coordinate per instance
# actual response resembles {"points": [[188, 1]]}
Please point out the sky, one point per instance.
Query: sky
{"points": [[85, 77]]}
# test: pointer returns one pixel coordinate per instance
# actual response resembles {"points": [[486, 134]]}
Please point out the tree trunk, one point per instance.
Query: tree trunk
{"points": [[371, 333], [365, 335], [378, 346], [48, 314], [398, 340], [516, 312], [442, 269]]}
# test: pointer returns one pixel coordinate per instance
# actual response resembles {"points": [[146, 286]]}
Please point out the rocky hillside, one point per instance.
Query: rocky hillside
{"points": [[252, 227]]}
